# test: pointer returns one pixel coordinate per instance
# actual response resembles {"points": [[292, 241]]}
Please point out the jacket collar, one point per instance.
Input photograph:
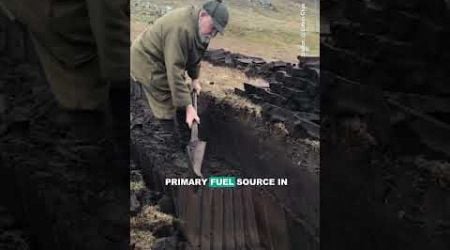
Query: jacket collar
{"points": [[195, 12]]}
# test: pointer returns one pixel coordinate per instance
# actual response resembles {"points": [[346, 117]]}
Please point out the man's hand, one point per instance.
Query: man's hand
{"points": [[196, 86], [191, 116]]}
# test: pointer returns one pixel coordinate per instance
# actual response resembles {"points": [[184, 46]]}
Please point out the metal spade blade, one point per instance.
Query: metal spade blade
{"points": [[196, 148], [196, 151]]}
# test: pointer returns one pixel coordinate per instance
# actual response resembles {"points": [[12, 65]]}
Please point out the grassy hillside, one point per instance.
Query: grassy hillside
{"points": [[271, 33]]}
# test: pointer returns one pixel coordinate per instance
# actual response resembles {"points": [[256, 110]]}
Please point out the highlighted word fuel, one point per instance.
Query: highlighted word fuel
{"points": [[222, 182]]}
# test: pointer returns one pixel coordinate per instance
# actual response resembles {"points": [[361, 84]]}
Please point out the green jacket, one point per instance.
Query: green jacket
{"points": [[162, 54]]}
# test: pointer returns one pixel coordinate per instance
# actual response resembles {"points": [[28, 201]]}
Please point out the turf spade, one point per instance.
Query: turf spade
{"points": [[196, 148]]}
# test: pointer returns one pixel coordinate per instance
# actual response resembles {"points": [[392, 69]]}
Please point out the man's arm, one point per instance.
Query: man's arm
{"points": [[194, 71], [175, 57]]}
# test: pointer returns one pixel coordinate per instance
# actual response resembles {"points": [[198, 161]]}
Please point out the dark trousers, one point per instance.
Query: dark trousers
{"points": [[176, 129]]}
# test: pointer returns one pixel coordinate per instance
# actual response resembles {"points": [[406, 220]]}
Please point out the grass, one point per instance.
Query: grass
{"points": [[273, 29], [136, 186], [142, 225]]}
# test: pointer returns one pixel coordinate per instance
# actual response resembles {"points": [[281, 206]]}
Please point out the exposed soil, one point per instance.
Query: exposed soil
{"points": [[150, 227]]}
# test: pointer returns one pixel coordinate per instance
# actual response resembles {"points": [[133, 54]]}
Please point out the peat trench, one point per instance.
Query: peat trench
{"points": [[281, 141]]}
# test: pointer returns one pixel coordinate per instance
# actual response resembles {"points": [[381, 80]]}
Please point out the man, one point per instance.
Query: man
{"points": [[162, 54]]}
